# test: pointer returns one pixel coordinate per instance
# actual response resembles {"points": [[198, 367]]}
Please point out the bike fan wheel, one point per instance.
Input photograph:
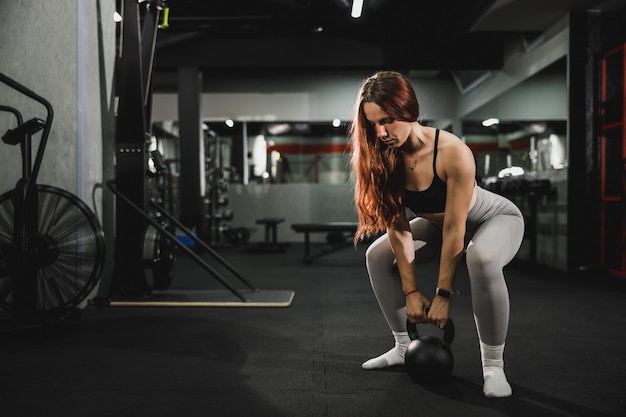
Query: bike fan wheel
{"points": [[69, 254]]}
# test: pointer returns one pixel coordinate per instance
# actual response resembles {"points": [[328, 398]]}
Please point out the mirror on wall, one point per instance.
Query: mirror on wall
{"points": [[317, 152], [301, 152], [268, 152], [517, 148]]}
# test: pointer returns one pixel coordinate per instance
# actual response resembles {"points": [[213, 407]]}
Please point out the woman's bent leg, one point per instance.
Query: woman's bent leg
{"points": [[492, 247], [387, 287]]}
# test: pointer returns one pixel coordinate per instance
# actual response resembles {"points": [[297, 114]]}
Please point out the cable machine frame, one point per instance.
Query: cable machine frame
{"points": [[132, 204]]}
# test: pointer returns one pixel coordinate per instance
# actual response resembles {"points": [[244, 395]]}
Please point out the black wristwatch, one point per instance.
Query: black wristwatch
{"points": [[445, 293]]}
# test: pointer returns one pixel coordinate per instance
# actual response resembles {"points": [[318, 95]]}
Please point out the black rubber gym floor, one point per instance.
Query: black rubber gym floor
{"points": [[565, 353]]}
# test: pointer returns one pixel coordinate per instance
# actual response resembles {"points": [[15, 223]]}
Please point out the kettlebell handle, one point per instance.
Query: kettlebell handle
{"points": [[448, 333]]}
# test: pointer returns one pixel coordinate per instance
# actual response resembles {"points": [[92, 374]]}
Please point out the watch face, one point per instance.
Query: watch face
{"points": [[443, 293]]}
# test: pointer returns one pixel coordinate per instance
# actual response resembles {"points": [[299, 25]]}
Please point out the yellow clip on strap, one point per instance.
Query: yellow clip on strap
{"points": [[166, 16]]}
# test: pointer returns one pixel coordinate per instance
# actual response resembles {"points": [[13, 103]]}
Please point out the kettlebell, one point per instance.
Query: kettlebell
{"points": [[428, 358]]}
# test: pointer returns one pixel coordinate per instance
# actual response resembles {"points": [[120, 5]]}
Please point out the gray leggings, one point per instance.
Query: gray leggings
{"points": [[495, 228]]}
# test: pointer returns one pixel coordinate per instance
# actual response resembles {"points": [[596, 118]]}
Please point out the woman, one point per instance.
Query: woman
{"points": [[398, 164]]}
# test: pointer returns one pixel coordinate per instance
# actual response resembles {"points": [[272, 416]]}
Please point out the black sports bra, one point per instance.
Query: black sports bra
{"points": [[432, 199]]}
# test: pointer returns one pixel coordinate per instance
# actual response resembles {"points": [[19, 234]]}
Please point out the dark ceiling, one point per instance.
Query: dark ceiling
{"points": [[445, 39], [320, 35]]}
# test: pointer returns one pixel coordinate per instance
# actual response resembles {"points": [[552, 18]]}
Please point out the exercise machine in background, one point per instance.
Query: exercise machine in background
{"points": [[159, 255], [51, 243], [218, 216], [145, 238], [138, 30]]}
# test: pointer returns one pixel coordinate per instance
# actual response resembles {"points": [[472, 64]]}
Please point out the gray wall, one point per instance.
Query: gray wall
{"points": [[52, 47], [296, 203]]}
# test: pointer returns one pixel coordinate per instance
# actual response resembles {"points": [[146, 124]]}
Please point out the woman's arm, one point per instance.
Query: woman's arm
{"points": [[459, 171], [401, 240]]}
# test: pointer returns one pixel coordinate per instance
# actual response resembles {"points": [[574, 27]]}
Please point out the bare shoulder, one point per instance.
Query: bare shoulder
{"points": [[455, 154], [453, 146]]}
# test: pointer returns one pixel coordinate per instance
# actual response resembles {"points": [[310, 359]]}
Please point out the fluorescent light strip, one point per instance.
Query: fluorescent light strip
{"points": [[357, 8]]}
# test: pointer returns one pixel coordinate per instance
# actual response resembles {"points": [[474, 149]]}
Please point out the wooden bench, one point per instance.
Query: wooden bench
{"points": [[328, 227]]}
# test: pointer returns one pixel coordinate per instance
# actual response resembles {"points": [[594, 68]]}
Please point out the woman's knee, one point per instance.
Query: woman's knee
{"points": [[379, 252], [481, 262]]}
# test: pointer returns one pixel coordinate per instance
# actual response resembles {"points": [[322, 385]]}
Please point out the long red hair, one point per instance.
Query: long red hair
{"points": [[378, 169]]}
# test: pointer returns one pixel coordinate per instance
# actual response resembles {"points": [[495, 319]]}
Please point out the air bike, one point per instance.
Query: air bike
{"points": [[51, 243]]}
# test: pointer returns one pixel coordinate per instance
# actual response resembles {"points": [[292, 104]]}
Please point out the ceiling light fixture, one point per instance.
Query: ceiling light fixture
{"points": [[490, 122], [357, 8]]}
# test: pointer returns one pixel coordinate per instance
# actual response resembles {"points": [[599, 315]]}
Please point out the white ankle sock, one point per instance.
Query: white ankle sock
{"points": [[395, 356], [495, 382]]}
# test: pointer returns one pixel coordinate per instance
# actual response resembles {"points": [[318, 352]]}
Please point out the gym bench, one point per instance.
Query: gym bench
{"points": [[270, 244], [330, 227]]}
